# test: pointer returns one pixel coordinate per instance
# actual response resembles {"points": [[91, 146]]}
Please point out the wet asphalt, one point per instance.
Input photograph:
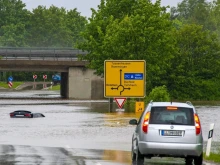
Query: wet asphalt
{"points": [[74, 131]]}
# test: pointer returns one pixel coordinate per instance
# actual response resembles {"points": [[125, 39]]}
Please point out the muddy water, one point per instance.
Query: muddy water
{"points": [[79, 125], [66, 124], [208, 115]]}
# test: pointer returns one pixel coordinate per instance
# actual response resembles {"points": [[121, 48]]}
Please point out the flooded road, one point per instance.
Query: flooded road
{"points": [[73, 131]]}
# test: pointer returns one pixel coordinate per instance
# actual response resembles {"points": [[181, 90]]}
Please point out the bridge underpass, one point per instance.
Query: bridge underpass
{"points": [[77, 81]]}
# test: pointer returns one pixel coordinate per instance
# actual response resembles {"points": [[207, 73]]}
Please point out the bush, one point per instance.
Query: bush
{"points": [[158, 94]]}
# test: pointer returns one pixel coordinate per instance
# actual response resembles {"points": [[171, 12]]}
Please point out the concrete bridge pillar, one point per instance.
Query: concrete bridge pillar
{"points": [[84, 84]]}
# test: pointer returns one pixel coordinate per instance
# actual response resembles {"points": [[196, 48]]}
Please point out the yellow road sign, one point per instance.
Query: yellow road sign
{"points": [[139, 107], [124, 78]]}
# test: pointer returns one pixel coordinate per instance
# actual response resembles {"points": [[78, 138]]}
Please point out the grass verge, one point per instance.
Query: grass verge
{"points": [[55, 87], [15, 84], [213, 157]]}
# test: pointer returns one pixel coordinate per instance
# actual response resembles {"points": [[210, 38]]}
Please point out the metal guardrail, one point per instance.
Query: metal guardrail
{"points": [[56, 54]]}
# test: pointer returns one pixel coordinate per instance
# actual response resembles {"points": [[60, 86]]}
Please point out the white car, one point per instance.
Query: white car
{"points": [[168, 129]]}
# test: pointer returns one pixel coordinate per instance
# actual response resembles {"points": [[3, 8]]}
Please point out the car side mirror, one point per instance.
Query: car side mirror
{"points": [[133, 122]]}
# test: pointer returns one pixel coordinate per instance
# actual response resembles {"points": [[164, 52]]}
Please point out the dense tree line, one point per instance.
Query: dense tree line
{"points": [[41, 27], [181, 45]]}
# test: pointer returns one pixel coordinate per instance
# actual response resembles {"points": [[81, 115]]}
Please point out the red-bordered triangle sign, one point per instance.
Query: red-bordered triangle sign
{"points": [[120, 102]]}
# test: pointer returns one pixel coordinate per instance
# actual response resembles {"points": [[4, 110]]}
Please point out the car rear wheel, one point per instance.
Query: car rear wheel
{"points": [[137, 158], [133, 157], [198, 160]]}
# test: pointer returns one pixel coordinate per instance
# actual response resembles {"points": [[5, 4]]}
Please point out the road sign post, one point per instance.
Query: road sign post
{"points": [[44, 77], [110, 104], [124, 79], [10, 79], [139, 106], [209, 142], [10, 84], [34, 77]]}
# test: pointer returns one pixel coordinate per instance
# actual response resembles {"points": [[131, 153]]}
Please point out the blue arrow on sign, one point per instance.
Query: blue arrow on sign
{"points": [[10, 78]]}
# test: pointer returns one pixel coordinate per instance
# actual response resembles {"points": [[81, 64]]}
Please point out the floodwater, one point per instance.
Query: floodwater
{"points": [[74, 131]]}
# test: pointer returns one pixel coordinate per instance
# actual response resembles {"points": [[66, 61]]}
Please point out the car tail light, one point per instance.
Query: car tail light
{"points": [[197, 124], [146, 122], [27, 115], [11, 114]]}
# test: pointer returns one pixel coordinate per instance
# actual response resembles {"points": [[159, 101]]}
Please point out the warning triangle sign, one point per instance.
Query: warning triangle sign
{"points": [[120, 102]]}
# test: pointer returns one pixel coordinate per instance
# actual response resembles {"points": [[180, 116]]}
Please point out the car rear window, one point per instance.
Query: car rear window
{"points": [[179, 116]]}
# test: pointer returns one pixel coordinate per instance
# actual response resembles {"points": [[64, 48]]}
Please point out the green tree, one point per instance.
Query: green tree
{"points": [[76, 24], [55, 27], [47, 28], [96, 28], [195, 64], [158, 94], [141, 33], [14, 35], [215, 17], [201, 12], [192, 11], [13, 22], [12, 12], [28, 76]]}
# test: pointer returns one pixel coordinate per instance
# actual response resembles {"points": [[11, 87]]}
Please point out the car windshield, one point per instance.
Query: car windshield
{"points": [[181, 116]]}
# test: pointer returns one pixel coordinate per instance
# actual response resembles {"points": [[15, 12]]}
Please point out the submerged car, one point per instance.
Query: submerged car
{"points": [[25, 114], [168, 129]]}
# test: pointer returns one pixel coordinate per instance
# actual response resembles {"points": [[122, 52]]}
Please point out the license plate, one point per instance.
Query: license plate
{"points": [[171, 133]]}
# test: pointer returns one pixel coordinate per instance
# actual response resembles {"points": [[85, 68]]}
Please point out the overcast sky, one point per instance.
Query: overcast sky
{"points": [[83, 6]]}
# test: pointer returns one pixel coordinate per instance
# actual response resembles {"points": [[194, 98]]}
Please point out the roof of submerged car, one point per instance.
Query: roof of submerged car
{"points": [[176, 104], [23, 111]]}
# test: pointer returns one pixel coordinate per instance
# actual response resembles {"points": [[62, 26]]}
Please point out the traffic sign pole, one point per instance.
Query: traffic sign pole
{"points": [[34, 77], [34, 84], [44, 77], [110, 104], [10, 84], [209, 142]]}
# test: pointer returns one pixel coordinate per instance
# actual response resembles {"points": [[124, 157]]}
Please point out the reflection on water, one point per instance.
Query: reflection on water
{"points": [[30, 94], [84, 125], [125, 157], [120, 119], [76, 124], [117, 156]]}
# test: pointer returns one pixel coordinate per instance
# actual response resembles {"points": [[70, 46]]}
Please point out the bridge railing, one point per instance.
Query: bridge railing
{"points": [[56, 54]]}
